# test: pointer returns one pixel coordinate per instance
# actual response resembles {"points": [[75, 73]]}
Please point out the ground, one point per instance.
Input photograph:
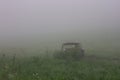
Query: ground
{"points": [[47, 68]]}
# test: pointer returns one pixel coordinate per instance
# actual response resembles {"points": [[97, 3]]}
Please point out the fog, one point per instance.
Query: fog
{"points": [[49, 23]]}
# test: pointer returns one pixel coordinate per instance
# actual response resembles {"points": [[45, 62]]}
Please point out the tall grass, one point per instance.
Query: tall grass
{"points": [[47, 68]]}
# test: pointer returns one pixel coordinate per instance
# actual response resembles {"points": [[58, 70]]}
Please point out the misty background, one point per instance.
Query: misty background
{"points": [[46, 24]]}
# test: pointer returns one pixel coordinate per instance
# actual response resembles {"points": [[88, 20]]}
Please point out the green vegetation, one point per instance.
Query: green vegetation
{"points": [[47, 68]]}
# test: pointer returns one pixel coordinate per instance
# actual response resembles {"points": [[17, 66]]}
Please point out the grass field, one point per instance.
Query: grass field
{"points": [[47, 68]]}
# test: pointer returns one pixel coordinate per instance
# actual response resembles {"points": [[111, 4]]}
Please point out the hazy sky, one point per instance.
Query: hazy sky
{"points": [[29, 20]]}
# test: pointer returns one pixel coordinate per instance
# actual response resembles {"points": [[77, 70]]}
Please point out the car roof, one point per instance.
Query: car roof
{"points": [[71, 43]]}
